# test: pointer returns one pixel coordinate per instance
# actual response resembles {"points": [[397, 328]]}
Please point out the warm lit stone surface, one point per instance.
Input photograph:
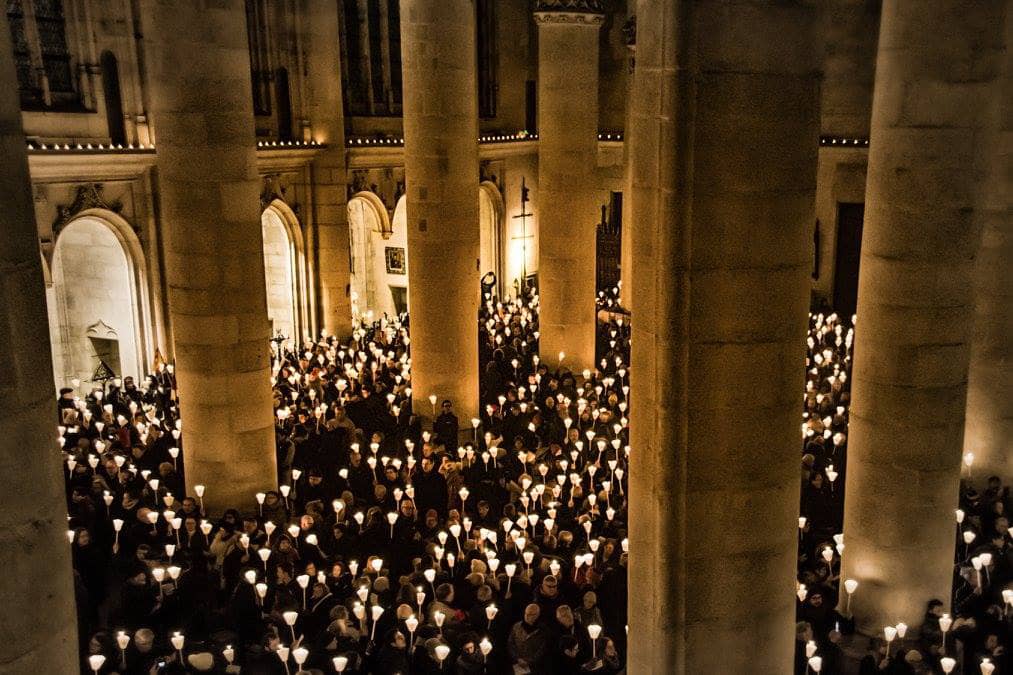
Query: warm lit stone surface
{"points": [[441, 172], [724, 149], [988, 432], [568, 209], [209, 194], [330, 208], [38, 621], [935, 111]]}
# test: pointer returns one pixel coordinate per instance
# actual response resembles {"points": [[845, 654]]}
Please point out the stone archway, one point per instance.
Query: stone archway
{"points": [[285, 272], [97, 299], [490, 243], [379, 257]]}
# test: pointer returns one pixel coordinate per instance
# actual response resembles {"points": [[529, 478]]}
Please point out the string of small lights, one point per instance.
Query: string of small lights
{"points": [[841, 141], [372, 141], [34, 146]]}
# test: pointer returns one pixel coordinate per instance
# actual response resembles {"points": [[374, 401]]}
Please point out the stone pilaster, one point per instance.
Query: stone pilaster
{"points": [[568, 204], [209, 196], [39, 618], [934, 113], [441, 174], [724, 141]]}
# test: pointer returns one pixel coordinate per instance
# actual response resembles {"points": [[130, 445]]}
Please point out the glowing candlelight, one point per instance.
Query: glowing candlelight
{"points": [[376, 611], [96, 661], [594, 630], [290, 618], [486, 647], [411, 623], [442, 651]]}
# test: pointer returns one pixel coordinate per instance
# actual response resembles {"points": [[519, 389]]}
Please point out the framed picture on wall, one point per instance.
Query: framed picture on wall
{"points": [[395, 260]]}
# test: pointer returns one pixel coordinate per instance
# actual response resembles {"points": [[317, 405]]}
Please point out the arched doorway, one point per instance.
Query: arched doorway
{"points": [[490, 240], [284, 272], [96, 301], [379, 257]]}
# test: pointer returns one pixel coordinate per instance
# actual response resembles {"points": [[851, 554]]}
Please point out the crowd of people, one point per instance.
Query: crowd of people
{"points": [[978, 618], [470, 546], [387, 547]]}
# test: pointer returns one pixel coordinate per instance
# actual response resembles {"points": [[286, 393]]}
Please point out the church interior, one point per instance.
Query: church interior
{"points": [[506, 336]]}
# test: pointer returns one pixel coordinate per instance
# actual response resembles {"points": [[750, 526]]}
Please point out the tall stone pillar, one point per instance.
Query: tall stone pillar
{"points": [[441, 174], [724, 147], [330, 192], [210, 207], [569, 207], [933, 113], [988, 431], [626, 262], [39, 621]]}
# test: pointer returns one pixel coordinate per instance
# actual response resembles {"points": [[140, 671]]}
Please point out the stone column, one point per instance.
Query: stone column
{"points": [[441, 174], [330, 192], [568, 205], [988, 431], [210, 209], [39, 620], [626, 265], [933, 113], [724, 149]]}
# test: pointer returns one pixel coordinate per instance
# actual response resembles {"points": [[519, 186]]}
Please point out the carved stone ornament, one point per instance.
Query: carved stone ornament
{"points": [[582, 6], [271, 188], [87, 196], [570, 11]]}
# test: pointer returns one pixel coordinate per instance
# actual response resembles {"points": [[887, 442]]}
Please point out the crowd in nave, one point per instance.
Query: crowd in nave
{"points": [[967, 634], [387, 547], [494, 544]]}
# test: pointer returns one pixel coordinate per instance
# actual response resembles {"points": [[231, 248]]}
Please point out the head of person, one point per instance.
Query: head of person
{"points": [[144, 640], [532, 613], [549, 586]]}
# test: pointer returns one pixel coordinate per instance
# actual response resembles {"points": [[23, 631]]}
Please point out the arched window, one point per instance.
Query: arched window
{"points": [[283, 97], [371, 51], [488, 58], [41, 57], [114, 103], [260, 66]]}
